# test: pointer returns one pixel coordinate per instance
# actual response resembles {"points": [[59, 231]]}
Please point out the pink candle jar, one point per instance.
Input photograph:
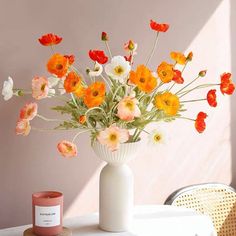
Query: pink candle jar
{"points": [[47, 213]]}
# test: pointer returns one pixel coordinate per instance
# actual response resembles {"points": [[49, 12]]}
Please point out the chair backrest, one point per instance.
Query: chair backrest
{"points": [[215, 200]]}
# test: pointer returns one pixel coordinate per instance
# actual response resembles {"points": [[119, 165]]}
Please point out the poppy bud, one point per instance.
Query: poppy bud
{"points": [[202, 73], [131, 45], [104, 36], [190, 56]]}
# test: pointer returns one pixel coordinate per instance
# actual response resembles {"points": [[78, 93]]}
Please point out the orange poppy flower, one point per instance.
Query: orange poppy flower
{"points": [[211, 98], [178, 57], [165, 72], [50, 39], [143, 78], [158, 27], [72, 82], [178, 77], [80, 91], [95, 94], [200, 124], [226, 85], [167, 102], [71, 58], [58, 65]]}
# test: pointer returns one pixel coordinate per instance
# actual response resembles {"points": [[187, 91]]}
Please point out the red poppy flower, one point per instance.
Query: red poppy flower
{"points": [[211, 98], [71, 58], [178, 77], [50, 39], [200, 124], [98, 56], [226, 85], [159, 27]]}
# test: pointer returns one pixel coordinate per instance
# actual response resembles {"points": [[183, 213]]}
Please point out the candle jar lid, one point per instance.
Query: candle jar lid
{"points": [[49, 197]]}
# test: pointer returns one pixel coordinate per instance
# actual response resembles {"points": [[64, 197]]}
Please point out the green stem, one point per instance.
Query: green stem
{"points": [[105, 80], [153, 49], [184, 67], [48, 119], [75, 137], [197, 87], [94, 108], [108, 49], [185, 118], [43, 130], [195, 100], [154, 92], [116, 91], [171, 86], [52, 49], [73, 99], [187, 85]]}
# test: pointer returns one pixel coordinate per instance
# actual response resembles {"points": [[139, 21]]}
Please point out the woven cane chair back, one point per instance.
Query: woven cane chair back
{"points": [[215, 200]]}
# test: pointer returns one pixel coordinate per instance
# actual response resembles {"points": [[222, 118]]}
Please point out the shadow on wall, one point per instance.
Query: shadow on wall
{"points": [[32, 164], [233, 100]]}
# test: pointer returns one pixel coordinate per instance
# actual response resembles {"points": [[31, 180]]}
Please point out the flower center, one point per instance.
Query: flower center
{"points": [[74, 83], [30, 111], [68, 148], [164, 73], [43, 87], [95, 93], [129, 105], [113, 137], [167, 102], [96, 69], [142, 80], [157, 137], [59, 66], [119, 70]]}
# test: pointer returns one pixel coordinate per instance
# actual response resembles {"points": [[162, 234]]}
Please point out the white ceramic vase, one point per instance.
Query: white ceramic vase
{"points": [[116, 187]]}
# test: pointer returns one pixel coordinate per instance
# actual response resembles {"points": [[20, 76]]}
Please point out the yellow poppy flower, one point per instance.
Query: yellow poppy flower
{"points": [[165, 72], [178, 57], [167, 102]]}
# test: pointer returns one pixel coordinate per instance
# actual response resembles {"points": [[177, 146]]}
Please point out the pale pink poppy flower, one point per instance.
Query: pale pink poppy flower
{"points": [[29, 111], [67, 149], [40, 87], [128, 109], [113, 137], [23, 127]]}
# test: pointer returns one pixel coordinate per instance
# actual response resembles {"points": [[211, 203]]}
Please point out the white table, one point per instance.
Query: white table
{"points": [[148, 221]]}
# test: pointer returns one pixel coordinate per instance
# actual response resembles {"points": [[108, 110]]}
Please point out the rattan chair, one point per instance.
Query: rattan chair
{"points": [[215, 200]]}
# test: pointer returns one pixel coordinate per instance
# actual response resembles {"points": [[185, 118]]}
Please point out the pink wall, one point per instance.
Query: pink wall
{"points": [[29, 164]]}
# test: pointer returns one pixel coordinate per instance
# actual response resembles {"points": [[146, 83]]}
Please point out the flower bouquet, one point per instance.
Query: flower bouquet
{"points": [[114, 102]]}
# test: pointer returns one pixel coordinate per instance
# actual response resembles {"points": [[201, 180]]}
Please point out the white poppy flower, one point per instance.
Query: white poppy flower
{"points": [[156, 137], [118, 69], [56, 84], [7, 90], [61, 86], [53, 81], [96, 71]]}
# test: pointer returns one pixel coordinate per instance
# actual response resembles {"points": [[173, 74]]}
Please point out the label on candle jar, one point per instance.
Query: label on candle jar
{"points": [[47, 216]]}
